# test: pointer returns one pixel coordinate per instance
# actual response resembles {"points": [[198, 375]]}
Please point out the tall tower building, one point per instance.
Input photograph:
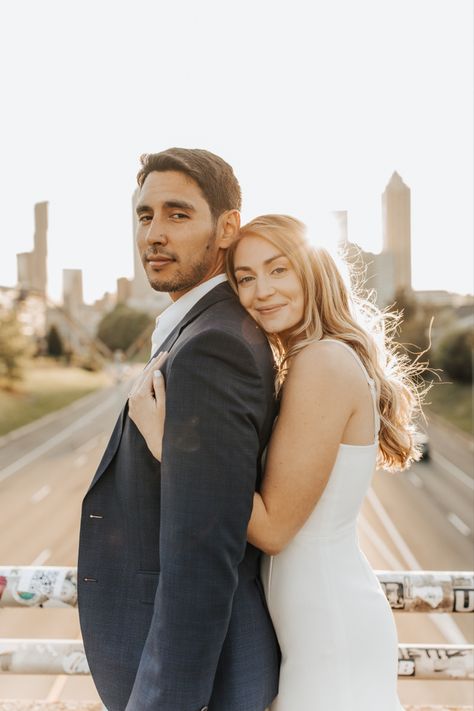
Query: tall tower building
{"points": [[40, 249], [141, 289], [396, 230], [342, 236], [72, 289]]}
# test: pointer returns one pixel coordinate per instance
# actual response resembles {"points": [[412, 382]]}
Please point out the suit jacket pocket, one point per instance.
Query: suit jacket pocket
{"points": [[147, 581]]}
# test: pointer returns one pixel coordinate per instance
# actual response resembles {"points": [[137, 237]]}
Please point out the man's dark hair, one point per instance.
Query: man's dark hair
{"points": [[214, 176]]}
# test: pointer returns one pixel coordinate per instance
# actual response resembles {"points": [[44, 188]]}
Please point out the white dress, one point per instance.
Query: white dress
{"points": [[333, 622]]}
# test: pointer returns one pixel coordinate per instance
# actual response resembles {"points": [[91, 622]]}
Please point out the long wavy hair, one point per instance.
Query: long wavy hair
{"points": [[334, 309]]}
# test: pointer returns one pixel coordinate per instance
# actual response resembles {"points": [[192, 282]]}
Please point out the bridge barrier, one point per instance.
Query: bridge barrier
{"points": [[406, 592]]}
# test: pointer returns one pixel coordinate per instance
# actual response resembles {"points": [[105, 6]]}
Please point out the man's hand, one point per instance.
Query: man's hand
{"points": [[147, 404]]}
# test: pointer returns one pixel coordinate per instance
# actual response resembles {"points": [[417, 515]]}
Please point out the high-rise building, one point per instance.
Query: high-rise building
{"points": [[396, 230], [31, 266], [140, 286], [142, 296], [72, 290]]}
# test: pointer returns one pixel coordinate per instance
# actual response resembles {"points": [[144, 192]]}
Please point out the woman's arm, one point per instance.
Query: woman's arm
{"points": [[316, 405]]}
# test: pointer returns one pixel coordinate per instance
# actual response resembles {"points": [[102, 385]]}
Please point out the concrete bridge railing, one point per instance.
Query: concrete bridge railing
{"points": [[406, 591]]}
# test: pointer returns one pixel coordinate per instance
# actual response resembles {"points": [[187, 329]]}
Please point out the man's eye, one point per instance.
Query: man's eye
{"points": [[144, 218], [179, 215]]}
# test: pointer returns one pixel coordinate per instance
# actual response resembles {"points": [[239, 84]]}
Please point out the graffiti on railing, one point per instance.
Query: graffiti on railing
{"points": [[60, 656], [445, 662], [46, 656], [406, 591], [413, 591], [25, 586]]}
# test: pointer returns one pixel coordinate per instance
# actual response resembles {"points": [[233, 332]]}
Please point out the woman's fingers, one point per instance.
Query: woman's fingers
{"points": [[159, 386]]}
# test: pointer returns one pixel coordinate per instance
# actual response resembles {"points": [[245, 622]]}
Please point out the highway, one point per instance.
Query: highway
{"points": [[423, 518]]}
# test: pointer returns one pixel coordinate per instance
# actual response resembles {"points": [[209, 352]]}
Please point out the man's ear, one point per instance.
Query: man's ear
{"points": [[229, 228]]}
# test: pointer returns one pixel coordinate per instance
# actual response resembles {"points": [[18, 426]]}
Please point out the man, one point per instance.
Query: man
{"points": [[171, 607]]}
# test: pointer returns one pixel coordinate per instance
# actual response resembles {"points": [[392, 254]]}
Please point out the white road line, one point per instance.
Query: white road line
{"points": [[453, 470], [41, 558], [56, 689], [41, 494], [459, 524], [53, 441], [415, 480], [379, 544], [446, 625], [80, 461]]}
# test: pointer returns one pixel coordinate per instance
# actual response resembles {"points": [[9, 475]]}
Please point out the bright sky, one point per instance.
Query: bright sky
{"points": [[314, 103]]}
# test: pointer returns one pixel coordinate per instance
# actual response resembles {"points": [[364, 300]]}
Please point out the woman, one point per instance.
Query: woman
{"points": [[347, 404]]}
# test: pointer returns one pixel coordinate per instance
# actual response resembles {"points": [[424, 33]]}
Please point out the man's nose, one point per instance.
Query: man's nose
{"points": [[155, 233]]}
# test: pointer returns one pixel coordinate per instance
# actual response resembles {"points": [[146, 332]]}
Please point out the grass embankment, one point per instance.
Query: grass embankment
{"points": [[453, 402], [45, 387]]}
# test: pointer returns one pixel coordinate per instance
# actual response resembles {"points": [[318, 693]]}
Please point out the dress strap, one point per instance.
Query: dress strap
{"points": [[370, 382]]}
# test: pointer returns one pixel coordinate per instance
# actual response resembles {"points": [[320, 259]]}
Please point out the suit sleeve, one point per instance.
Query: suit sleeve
{"points": [[215, 407]]}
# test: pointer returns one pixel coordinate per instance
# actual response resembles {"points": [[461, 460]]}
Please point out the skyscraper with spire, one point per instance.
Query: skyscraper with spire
{"points": [[396, 230]]}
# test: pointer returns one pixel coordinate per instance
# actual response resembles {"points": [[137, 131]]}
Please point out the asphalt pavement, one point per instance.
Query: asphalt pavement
{"points": [[423, 518]]}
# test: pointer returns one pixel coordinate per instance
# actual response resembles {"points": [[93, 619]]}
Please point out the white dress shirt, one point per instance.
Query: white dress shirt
{"points": [[176, 311]]}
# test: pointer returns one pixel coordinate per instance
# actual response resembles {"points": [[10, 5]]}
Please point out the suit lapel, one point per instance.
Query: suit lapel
{"points": [[219, 293]]}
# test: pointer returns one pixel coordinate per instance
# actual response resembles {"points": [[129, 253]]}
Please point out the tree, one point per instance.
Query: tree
{"points": [[119, 328], [454, 354], [54, 342], [13, 346]]}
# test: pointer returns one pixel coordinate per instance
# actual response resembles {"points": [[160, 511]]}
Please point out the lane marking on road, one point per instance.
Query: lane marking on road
{"points": [[58, 686], [56, 689], [415, 480], [53, 441], [41, 558], [452, 469], [41, 494], [446, 625], [459, 524], [80, 461], [379, 544]]}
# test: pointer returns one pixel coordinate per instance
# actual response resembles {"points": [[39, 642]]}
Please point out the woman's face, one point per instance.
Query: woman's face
{"points": [[268, 285]]}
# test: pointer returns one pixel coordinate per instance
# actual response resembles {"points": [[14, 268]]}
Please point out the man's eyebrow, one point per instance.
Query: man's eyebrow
{"points": [[266, 261], [169, 204], [180, 204]]}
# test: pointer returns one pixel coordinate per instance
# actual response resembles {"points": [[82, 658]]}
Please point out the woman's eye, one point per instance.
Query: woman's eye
{"points": [[279, 270], [244, 280]]}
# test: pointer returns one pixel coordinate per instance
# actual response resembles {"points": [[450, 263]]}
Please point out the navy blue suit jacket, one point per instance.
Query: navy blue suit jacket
{"points": [[172, 611]]}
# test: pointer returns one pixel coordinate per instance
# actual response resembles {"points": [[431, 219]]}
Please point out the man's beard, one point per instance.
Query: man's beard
{"points": [[186, 278]]}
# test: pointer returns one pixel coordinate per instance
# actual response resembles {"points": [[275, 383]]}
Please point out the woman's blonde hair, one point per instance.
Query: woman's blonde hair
{"points": [[336, 310]]}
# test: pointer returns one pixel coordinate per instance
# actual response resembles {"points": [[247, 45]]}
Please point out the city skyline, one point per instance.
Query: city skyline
{"points": [[315, 115]]}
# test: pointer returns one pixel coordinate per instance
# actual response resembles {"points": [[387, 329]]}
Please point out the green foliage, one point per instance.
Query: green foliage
{"points": [[54, 342], [119, 328], [454, 354], [13, 346]]}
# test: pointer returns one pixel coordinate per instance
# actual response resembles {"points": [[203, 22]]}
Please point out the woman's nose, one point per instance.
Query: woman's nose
{"points": [[264, 288]]}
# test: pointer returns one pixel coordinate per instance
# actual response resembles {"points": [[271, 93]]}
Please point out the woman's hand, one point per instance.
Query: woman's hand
{"points": [[147, 404]]}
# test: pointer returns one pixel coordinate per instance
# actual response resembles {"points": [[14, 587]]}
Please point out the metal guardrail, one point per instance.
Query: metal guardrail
{"points": [[66, 656], [406, 591]]}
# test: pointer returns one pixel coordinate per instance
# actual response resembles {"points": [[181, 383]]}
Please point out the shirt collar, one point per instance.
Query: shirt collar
{"points": [[176, 311]]}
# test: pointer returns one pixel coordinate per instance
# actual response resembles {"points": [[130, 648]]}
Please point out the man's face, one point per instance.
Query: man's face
{"points": [[176, 233]]}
